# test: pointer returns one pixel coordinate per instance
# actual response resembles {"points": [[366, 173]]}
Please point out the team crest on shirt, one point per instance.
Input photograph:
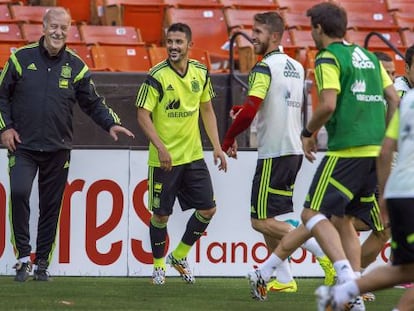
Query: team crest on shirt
{"points": [[66, 72], [195, 86]]}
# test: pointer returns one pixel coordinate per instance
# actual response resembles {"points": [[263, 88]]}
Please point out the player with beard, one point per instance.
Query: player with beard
{"points": [[174, 95], [275, 95]]}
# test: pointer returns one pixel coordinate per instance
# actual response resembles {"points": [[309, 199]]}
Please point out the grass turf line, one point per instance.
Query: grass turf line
{"points": [[118, 293]]}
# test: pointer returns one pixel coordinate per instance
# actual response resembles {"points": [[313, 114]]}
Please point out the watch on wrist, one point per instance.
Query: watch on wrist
{"points": [[306, 133]]}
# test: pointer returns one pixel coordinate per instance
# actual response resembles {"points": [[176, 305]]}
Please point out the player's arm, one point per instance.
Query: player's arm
{"points": [[210, 125], [145, 122], [244, 115]]}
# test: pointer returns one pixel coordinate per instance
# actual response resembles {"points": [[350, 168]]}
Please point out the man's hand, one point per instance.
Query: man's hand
{"points": [[116, 129], [309, 147], [218, 154], [9, 138]]}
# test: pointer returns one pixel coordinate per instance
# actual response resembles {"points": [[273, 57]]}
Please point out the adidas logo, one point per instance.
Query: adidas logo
{"points": [[290, 71], [66, 164], [170, 88], [32, 66], [360, 60]]}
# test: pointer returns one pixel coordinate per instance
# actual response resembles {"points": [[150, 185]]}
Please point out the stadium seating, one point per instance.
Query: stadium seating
{"points": [[121, 58], [6, 49], [191, 4], [32, 33], [5, 16], [80, 10], [240, 18], [122, 35], [146, 15], [407, 37], [300, 6], [374, 42], [296, 20], [84, 52], [357, 6], [209, 31], [404, 20], [371, 21], [11, 33], [400, 5], [28, 14], [250, 4]]}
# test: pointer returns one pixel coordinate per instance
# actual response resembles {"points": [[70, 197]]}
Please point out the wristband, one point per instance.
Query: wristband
{"points": [[306, 133]]}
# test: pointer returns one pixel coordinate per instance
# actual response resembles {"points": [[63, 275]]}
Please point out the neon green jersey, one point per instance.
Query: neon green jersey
{"points": [[174, 103]]}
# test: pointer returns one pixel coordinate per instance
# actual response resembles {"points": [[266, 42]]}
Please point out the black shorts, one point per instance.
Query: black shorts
{"points": [[401, 213], [190, 183], [340, 185], [273, 184], [369, 213]]}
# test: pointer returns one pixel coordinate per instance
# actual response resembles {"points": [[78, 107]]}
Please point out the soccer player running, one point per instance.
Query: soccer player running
{"points": [[176, 92], [351, 86], [396, 204], [276, 90]]}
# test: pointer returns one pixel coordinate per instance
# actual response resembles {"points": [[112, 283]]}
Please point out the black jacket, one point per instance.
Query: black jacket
{"points": [[37, 95]]}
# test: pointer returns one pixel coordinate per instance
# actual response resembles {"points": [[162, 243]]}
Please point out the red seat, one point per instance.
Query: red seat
{"points": [[240, 18], [80, 10], [296, 20], [122, 35], [121, 58], [11, 33], [358, 6], [250, 4], [300, 6], [5, 50], [358, 37], [84, 52], [194, 4], [5, 16], [407, 37], [404, 20], [405, 6], [33, 32], [368, 20], [146, 15], [28, 14]]}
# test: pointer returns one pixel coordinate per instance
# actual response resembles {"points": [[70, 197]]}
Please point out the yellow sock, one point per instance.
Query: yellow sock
{"points": [[160, 263], [181, 251]]}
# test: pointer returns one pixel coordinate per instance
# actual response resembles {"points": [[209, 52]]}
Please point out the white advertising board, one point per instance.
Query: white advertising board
{"points": [[103, 227]]}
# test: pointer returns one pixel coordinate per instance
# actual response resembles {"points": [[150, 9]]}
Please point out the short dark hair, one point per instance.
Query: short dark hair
{"points": [[331, 17], [271, 19], [409, 54], [382, 56], [181, 27]]}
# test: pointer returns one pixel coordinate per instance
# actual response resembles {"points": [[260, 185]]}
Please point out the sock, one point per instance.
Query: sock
{"points": [[181, 251], [196, 226], [357, 274], [344, 271], [24, 259], [345, 292], [158, 236], [313, 246], [269, 266], [160, 263], [284, 273]]}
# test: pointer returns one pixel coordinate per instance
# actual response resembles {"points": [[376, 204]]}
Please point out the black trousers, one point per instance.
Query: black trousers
{"points": [[52, 168]]}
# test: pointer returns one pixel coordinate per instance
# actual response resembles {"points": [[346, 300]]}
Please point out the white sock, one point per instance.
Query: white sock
{"points": [[269, 266], [345, 292], [24, 259], [344, 271], [313, 246], [284, 273], [357, 274]]}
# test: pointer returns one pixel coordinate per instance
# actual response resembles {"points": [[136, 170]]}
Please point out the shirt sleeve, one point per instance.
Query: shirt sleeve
{"points": [[9, 77], [394, 126], [327, 72], [259, 80], [386, 80]]}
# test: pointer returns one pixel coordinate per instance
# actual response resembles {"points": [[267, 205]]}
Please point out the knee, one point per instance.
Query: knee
{"points": [[257, 224], [160, 219], [208, 214], [383, 235]]}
